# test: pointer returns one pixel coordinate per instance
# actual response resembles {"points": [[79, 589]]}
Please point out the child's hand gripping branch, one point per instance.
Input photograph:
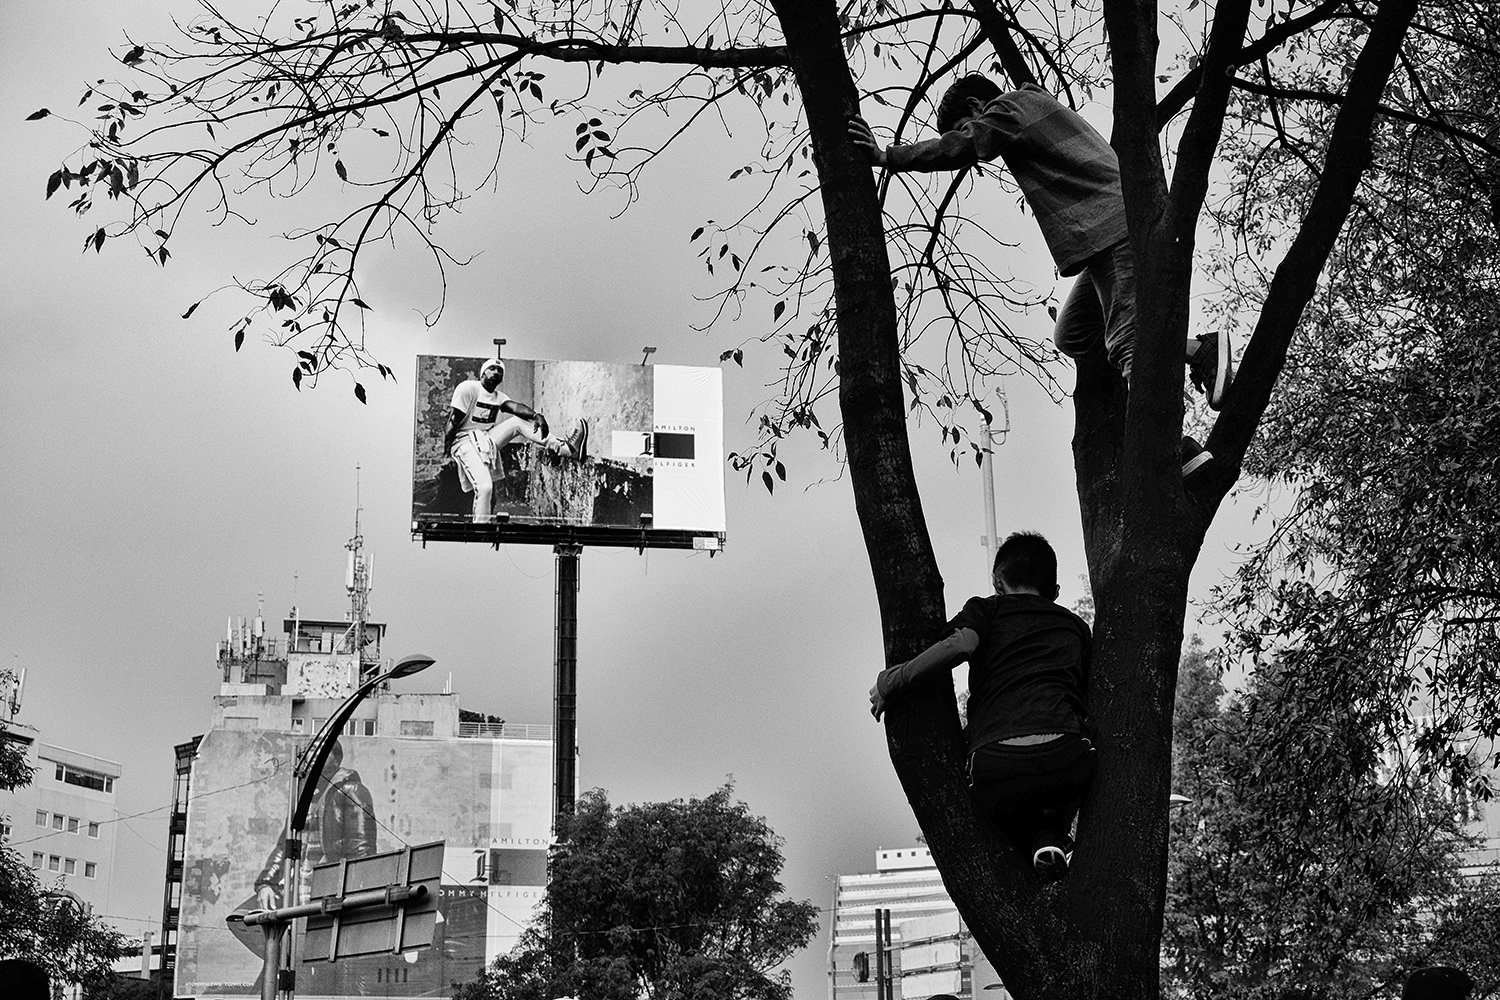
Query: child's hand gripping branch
{"points": [[945, 654]]}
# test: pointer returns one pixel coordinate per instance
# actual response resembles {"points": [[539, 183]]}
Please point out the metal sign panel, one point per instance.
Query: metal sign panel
{"points": [[626, 455], [371, 930]]}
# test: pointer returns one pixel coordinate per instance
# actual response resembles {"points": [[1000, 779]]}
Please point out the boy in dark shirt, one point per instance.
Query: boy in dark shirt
{"points": [[1029, 760]]}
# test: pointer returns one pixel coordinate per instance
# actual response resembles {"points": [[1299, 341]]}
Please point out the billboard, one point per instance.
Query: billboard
{"points": [[550, 451], [490, 801]]}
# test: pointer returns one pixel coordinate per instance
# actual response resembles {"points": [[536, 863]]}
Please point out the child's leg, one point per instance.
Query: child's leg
{"points": [[1079, 332], [1113, 275], [1098, 317]]}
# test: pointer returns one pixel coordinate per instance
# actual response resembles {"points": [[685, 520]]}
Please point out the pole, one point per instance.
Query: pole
{"points": [[879, 954], [987, 475], [271, 968], [565, 702]]}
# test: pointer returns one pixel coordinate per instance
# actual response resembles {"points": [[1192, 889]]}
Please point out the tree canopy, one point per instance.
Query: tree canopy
{"points": [[668, 900], [1276, 123], [1307, 862]]}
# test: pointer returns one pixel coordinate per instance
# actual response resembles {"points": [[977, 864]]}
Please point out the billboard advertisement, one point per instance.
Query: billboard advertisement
{"points": [[489, 801], [615, 451]]}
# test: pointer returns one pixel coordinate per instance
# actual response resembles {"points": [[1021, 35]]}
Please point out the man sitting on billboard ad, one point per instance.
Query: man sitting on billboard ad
{"points": [[475, 434]]}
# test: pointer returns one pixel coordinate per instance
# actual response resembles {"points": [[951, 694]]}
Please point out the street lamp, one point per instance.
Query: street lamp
{"points": [[305, 775]]}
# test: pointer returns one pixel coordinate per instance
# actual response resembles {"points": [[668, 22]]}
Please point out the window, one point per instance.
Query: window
{"points": [[413, 727], [85, 778], [360, 727], [57, 821], [94, 830], [5, 829], [90, 870], [297, 725], [37, 858], [72, 824], [53, 862], [41, 817], [70, 866]]}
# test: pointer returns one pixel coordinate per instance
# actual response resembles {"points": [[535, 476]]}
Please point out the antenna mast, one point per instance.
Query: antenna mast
{"points": [[357, 581]]}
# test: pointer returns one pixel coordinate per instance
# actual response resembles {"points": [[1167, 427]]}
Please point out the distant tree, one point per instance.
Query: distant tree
{"points": [[41, 923], [1306, 864], [671, 900]]}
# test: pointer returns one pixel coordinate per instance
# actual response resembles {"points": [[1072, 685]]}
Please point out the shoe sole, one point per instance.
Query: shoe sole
{"points": [[1050, 865], [1223, 372], [1197, 462]]}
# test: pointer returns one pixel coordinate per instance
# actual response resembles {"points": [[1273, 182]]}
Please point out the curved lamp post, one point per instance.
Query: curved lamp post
{"points": [[305, 776]]}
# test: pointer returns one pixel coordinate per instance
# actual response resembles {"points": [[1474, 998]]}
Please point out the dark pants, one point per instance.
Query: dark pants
{"points": [[1032, 792], [1098, 317]]}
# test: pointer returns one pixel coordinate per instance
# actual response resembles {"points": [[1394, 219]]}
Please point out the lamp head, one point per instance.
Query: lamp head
{"points": [[412, 664]]}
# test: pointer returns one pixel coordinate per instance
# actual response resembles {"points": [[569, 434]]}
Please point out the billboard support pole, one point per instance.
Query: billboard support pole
{"points": [[565, 702]]}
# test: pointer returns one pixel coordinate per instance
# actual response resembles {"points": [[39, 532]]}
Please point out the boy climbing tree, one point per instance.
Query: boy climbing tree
{"points": [[1029, 758], [1070, 177]]}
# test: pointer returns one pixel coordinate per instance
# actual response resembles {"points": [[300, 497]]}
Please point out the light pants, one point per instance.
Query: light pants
{"points": [[478, 456]]}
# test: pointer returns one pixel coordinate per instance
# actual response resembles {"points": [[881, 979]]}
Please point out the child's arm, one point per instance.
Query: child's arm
{"points": [[979, 139], [945, 654]]}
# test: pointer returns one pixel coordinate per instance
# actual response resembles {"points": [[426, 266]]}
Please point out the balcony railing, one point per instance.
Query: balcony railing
{"points": [[503, 731]]}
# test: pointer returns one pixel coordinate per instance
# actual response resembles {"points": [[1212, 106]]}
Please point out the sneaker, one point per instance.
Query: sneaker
{"points": [[578, 441], [1211, 367], [1051, 862], [1194, 456]]}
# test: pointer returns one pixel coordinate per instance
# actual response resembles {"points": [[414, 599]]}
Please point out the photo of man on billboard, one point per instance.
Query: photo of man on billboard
{"points": [[340, 826], [483, 419], [490, 441]]}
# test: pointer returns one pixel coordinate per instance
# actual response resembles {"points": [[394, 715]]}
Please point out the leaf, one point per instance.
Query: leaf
{"points": [[162, 255], [739, 357], [239, 338], [770, 483], [134, 55], [297, 378], [97, 239], [338, 168], [696, 233], [583, 140], [38, 115], [191, 309], [360, 303], [781, 472], [359, 392], [780, 308], [54, 182], [381, 132], [812, 241]]}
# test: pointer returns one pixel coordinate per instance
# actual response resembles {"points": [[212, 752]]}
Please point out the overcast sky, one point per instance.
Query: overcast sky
{"points": [[155, 482]]}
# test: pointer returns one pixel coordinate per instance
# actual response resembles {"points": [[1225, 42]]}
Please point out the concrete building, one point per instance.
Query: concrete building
{"points": [[65, 820], [410, 771], [927, 949]]}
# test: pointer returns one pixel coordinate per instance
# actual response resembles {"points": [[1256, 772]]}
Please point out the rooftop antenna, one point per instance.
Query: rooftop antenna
{"points": [[357, 581], [499, 346], [647, 356]]}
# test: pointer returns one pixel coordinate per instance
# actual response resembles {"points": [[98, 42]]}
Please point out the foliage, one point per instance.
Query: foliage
{"points": [[669, 900], [1382, 580], [1305, 864]]}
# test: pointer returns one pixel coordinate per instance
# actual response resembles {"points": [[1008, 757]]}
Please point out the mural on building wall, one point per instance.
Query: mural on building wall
{"points": [[613, 442], [489, 801], [328, 676]]}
